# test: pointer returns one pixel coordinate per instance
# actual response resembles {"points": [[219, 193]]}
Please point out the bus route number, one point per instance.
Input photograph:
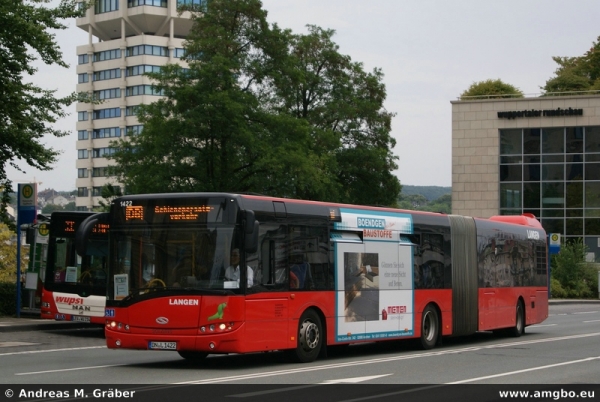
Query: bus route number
{"points": [[126, 203]]}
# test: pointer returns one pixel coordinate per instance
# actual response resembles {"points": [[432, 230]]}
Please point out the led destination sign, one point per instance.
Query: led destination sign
{"points": [[69, 226], [174, 213]]}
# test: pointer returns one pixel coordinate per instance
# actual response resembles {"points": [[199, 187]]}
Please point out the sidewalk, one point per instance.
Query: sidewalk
{"points": [[30, 322]]}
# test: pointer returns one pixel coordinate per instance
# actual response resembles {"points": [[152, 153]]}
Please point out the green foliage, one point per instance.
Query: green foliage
{"points": [[418, 202], [429, 192], [266, 111], [27, 112], [8, 298], [576, 74], [109, 193], [8, 255], [556, 289], [577, 278], [493, 89]]}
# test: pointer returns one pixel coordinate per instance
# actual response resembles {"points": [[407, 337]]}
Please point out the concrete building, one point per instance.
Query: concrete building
{"points": [[126, 38], [531, 155]]}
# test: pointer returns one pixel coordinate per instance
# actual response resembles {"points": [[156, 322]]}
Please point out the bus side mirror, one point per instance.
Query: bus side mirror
{"points": [[251, 244], [85, 230]]}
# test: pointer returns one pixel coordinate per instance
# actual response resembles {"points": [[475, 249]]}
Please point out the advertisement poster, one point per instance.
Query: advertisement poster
{"points": [[374, 285]]}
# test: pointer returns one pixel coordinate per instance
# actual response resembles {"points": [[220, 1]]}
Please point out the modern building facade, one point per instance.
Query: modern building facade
{"points": [[530, 155], [126, 38]]}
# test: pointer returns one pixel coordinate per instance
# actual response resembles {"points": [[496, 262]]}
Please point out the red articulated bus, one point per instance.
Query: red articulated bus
{"points": [[75, 285], [218, 273]]}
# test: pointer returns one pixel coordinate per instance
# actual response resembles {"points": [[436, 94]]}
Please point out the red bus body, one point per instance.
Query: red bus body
{"points": [[371, 274], [74, 286]]}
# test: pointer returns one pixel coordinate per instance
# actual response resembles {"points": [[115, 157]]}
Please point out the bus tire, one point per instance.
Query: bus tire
{"points": [[192, 355], [519, 328], [430, 327], [310, 338]]}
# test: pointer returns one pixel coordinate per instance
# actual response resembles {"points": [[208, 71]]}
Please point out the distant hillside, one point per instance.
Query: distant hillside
{"points": [[431, 193]]}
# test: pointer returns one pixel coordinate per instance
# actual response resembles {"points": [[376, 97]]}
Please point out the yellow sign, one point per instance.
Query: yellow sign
{"points": [[555, 239], [27, 191], [44, 229]]}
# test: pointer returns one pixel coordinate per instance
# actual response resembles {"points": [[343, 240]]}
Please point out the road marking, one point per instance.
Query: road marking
{"points": [[13, 344], [592, 321], [524, 370], [381, 360], [315, 368], [354, 380], [30, 352], [72, 369], [542, 325]]}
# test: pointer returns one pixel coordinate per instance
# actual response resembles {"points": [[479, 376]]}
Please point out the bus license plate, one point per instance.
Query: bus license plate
{"points": [[81, 319], [162, 345]]}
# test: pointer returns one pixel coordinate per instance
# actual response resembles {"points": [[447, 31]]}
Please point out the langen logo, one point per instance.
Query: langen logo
{"points": [[184, 302], [532, 234]]}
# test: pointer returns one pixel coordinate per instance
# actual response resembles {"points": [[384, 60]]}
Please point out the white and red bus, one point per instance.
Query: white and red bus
{"points": [[317, 274], [74, 286]]}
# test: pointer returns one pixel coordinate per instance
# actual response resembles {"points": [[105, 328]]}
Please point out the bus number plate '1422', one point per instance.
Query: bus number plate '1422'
{"points": [[162, 345]]}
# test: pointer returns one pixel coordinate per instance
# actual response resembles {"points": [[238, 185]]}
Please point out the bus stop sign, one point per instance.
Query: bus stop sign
{"points": [[554, 244]]}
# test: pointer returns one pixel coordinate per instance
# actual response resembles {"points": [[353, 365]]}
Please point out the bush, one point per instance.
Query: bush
{"points": [[8, 298], [577, 278], [556, 290]]}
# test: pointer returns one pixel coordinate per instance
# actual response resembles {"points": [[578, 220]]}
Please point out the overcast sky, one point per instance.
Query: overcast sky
{"points": [[429, 51]]}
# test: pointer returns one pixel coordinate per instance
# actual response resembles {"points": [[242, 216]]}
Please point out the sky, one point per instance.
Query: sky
{"points": [[430, 51]]}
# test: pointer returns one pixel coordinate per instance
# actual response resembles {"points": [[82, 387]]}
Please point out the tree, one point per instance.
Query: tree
{"points": [[8, 255], [27, 112], [262, 110], [576, 74], [493, 89], [109, 193], [577, 278]]}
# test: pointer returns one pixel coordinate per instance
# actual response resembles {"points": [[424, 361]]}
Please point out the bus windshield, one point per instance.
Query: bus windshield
{"points": [[187, 257], [176, 245], [68, 272]]}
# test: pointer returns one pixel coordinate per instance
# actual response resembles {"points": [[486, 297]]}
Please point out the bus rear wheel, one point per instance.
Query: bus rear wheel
{"points": [[192, 356], [430, 327], [310, 338], [519, 328]]}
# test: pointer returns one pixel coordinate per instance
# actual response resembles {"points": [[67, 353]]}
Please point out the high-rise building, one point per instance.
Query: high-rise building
{"points": [[126, 38]]}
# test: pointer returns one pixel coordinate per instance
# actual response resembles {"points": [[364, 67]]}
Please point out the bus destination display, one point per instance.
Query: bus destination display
{"points": [[174, 213]]}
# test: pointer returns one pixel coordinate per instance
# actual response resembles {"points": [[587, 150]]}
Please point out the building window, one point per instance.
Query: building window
{"points": [[134, 130], [102, 152], [189, 2], [141, 69], [107, 94], [131, 110], [82, 154], [148, 50], [82, 192], [553, 173], [106, 113], [107, 55], [155, 3], [82, 173], [83, 78], [82, 135], [142, 90], [83, 59], [107, 74], [178, 53], [110, 132], [82, 116], [100, 172], [105, 6]]}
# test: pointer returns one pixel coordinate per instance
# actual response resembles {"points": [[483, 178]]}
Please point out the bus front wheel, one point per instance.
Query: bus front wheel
{"points": [[430, 327], [310, 337]]}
